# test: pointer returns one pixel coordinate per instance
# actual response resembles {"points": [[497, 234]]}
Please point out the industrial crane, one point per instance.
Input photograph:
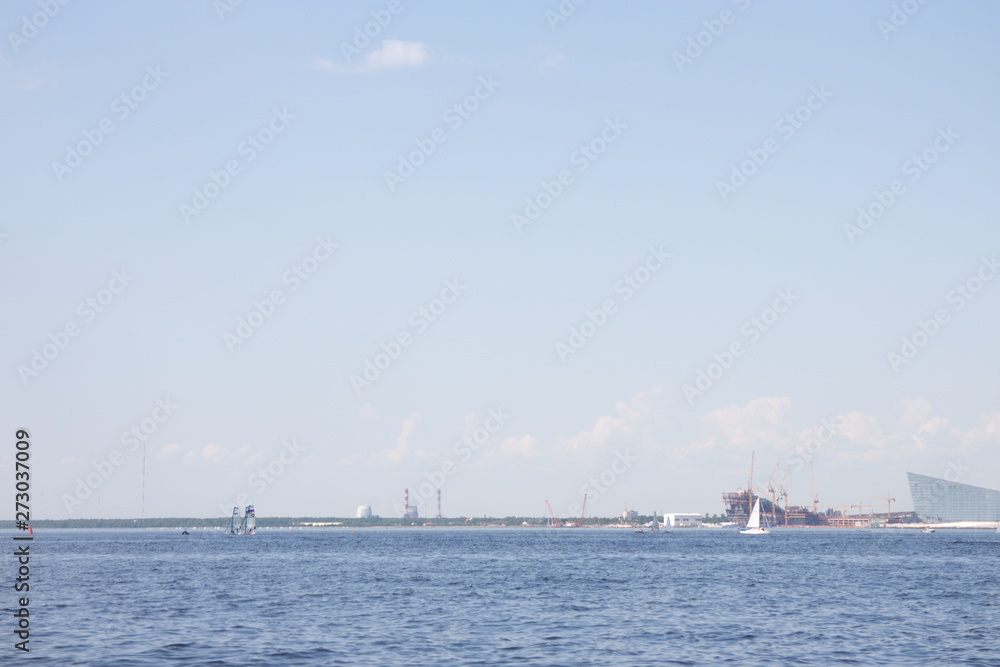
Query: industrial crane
{"points": [[783, 492], [773, 491], [812, 476], [583, 512], [888, 506], [555, 521], [861, 512]]}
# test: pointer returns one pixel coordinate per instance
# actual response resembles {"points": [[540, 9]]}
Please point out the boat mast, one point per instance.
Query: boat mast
{"points": [[750, 487]]}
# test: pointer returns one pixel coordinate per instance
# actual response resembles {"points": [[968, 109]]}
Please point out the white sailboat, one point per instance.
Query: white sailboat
{"points": [[753, 524], [655, 528]]}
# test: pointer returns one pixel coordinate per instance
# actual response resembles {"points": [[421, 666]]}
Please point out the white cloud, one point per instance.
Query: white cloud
{"points": [[169, 451], [631, 418], [402, 448], [394, 54], [523, 446], [761, 422], [550, 62], [984, 436], [327, 65], [21, 78]]}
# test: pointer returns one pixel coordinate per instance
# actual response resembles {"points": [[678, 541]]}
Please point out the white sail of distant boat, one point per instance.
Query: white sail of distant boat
{"points": [[753, 526], [245, 524], [250, 521], [234, 523], [655, 528]]}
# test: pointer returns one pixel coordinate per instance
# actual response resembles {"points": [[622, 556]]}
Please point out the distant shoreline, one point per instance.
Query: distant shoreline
{"points": [[323, 523]]}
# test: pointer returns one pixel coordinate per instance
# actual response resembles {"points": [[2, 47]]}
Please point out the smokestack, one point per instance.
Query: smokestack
{"points": [[439, 504]]}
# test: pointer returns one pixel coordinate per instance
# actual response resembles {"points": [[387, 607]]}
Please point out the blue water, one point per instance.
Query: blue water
{"points": [[511, 597]]}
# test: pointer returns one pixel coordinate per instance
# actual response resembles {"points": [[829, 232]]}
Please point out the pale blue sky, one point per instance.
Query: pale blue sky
{"points": [[656, 185]]}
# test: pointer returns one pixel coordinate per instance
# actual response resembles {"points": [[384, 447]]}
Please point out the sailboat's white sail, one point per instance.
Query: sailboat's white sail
{"points": [[753, 525], [250, 520], [754, 521], [234, 522]]}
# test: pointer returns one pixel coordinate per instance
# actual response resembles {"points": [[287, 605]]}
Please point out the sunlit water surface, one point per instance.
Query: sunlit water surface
{"points": [[512, 596]]}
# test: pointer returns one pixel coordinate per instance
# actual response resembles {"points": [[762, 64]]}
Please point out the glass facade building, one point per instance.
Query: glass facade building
{"points": [[942, 501]]}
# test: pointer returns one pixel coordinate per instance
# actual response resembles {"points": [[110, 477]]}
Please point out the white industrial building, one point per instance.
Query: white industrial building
{"points": [[364, 511], [682, 520]]}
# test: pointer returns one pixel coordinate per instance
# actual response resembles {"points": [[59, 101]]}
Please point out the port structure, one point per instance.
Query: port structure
{"points": [[739, 503]]}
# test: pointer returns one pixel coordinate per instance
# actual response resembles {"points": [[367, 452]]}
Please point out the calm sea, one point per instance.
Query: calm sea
{"points": [[510, 597]]}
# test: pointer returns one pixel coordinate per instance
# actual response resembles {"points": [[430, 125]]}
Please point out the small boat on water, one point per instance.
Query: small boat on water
{"points": [[753, 526], [245, 525], [927, 529]]}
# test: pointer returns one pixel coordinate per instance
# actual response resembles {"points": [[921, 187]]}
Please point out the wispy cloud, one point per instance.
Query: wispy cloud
{"points": [[169, 451], [631, 417], [551, 61], [403, 445], [394, 54], [525, 446], [21, 79], [210, 454]]}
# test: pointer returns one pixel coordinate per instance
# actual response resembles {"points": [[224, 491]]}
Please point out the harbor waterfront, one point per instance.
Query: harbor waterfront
{"points": [[530, 596]]}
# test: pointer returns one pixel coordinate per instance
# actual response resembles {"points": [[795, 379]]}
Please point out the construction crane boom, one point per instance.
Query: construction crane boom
{"points": [[888, 506], [812, 476], [583, 512], [555, 521]]}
